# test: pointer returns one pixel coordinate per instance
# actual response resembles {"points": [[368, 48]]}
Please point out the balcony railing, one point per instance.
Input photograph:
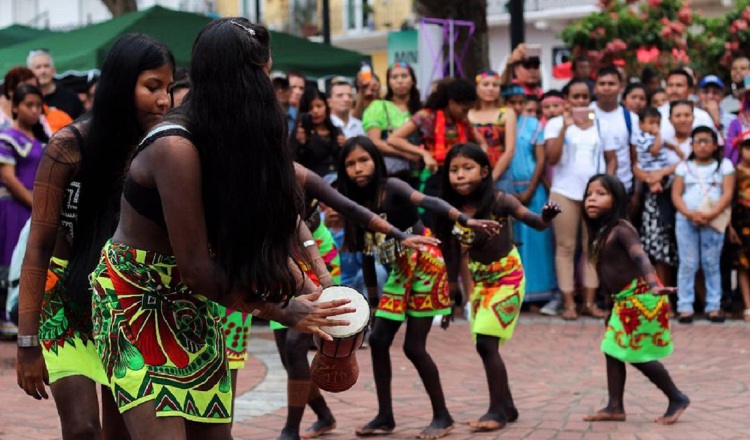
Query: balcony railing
{"points": [[500, 7]]}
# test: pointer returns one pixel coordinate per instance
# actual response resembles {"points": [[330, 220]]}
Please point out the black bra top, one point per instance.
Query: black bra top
{"points": [[145, 199]]}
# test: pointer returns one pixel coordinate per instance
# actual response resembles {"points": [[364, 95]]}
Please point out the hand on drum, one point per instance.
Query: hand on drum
{"points": [[307, 316]]}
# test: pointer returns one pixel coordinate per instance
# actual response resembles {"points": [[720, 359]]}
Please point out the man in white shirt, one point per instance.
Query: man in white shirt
{"points": [[340, 101], [680, 86], [622, 125]]}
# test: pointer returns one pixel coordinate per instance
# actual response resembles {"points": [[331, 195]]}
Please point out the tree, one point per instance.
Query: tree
{"points": [[477, 55], [119, 7]]}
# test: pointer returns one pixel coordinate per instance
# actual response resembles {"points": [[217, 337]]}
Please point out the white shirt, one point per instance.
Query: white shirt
{"points": [[700, 118], [685, 146], [352, 128], [703, 179], [582, 156], [621, 139]]}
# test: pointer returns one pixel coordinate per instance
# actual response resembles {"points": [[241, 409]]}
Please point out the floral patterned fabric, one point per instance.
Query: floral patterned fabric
{"points": [[157, 340], [741, 218], [235, 326], [417, 285], [638, 328], [65, 331], [499, 288]]}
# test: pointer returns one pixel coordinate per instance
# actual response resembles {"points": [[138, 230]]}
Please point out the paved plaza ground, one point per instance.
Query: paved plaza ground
{"points": [[557, 375]]}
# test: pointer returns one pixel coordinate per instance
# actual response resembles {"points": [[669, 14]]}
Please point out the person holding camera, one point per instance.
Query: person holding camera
{"points": [[317, 141], [523, 67]]}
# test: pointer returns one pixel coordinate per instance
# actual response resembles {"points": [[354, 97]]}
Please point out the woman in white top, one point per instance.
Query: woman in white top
{"points": [[575, 147]]}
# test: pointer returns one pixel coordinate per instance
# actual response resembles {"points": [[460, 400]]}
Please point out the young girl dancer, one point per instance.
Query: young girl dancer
{"points": [[496, 283], [293, 345], [417, 288], [638, 328]]}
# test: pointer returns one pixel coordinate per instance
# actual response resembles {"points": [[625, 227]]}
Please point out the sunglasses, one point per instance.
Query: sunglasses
{"points": [[531, 63]]}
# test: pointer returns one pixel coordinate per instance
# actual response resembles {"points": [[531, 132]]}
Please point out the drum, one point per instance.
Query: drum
{"points": [[334, 368]]}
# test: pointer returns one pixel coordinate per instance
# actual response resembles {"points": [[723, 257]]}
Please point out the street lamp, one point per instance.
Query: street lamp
{"points": [[517, 24]]}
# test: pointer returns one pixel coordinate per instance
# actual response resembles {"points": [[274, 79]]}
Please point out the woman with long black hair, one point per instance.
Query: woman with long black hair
{"points": [[209, 211], [75, 207]]}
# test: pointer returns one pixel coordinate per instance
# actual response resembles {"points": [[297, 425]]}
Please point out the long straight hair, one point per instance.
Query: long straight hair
{"points": [[250, 192], [414, 104], [310, 94], [19, 95], [600, 228], [110, 134], [367, 196], [483, 197]]}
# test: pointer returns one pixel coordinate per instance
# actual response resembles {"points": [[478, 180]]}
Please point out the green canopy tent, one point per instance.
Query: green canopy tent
{"points": [[17, 33], [85, 48]]}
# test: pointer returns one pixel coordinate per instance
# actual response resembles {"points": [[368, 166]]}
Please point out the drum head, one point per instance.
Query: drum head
{"points": [[357, 320]]}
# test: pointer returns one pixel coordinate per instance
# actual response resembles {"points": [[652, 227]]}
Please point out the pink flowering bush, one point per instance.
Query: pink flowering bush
{"points": [[660, 34]]}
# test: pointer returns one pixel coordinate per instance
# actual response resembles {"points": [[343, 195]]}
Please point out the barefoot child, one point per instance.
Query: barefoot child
{"points": [[417, 287], [638, 328], [493, 273]]}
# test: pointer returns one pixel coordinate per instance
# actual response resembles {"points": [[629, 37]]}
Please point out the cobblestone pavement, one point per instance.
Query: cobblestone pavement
{"points": [[557, 375]]}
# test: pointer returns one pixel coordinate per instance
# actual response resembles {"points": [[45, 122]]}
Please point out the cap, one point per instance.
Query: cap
{"points": [[711, 80]]}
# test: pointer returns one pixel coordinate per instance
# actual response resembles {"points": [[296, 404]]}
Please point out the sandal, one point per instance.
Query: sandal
{"points": [[685, 318], [716, 317], [569, 312], [594, 311]]}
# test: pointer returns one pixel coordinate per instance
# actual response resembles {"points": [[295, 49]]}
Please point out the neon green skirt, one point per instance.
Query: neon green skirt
{"points": [[65, 331], [157, 340]]}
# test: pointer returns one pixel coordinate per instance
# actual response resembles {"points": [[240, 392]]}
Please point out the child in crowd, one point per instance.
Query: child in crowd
{"points": [[658, 98], [531, 108], [553, 105], [638, 327], [702, 193], [651, 151], [493, 273], [634, 97], [739, 230]]}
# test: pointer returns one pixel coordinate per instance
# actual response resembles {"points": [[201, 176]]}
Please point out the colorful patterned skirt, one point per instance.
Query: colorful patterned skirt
{"points": [[65, 331], [499, 288], [638, 328], [157, 340], [417, 286], [236, 329]]}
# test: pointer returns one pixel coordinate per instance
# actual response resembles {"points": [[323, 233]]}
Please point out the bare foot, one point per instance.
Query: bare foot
{"points": [[606, 415], [380, 425], [489, 422], [674, 411], [320, 427], [438, 428]]}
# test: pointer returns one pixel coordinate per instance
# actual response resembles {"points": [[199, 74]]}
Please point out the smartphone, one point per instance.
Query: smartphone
{"points": [[582, 114], [533, 50]]}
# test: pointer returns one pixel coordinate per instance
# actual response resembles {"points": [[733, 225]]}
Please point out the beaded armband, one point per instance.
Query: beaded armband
{"points": [[464, 234]]}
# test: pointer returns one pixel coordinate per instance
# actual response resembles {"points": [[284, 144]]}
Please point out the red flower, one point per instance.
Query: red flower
{"points": [[663, 315], [746, 14], [647, 56], [680, 56], [654, 3], [666, 32], [685, 15], [630, 319], [740, 24]]}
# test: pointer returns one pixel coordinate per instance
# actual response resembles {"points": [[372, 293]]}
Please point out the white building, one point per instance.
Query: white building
{"points": [[67, 14]]}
